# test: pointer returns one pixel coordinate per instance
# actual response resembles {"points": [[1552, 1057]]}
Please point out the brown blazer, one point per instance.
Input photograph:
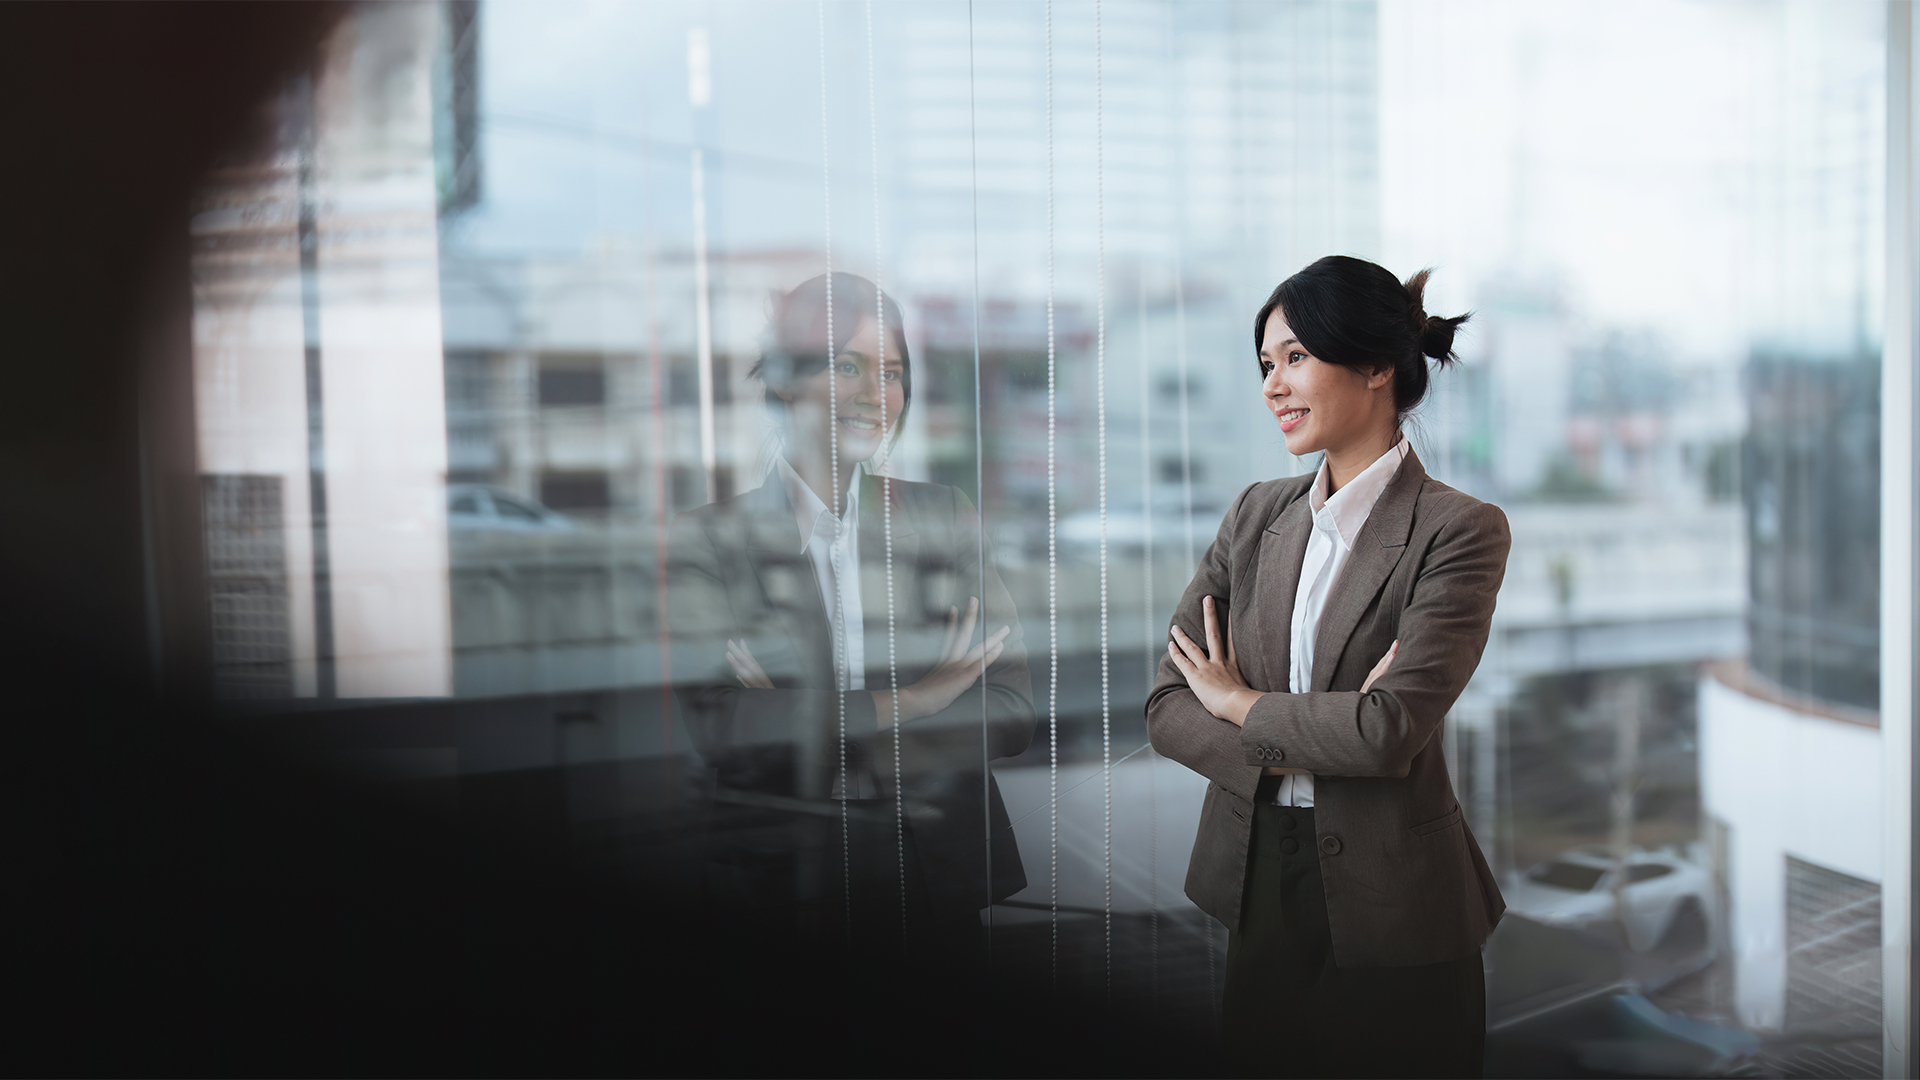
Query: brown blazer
{"points": [[1406, 883]]}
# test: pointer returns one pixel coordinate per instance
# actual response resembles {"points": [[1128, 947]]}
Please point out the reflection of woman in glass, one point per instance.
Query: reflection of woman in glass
{"points": [[804, 672], [1332, 624]]}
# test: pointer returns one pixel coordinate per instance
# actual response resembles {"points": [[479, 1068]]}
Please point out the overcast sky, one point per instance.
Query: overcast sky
{"points": [[1660, 161]]}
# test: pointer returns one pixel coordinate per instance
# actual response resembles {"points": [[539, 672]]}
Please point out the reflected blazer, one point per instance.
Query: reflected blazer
{"points": [[1405, 882], [735, 569]]}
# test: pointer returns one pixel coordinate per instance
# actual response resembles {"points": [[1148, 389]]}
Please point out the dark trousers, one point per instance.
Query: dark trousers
{"points": [[1288, 1010]]}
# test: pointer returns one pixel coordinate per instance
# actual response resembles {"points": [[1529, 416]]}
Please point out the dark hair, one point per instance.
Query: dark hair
{"points": [[1354, 313], [797, 348]]}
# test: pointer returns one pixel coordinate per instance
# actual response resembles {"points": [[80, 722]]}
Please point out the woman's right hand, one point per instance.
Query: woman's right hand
{"points": [[1380, 668], [958, 668]]}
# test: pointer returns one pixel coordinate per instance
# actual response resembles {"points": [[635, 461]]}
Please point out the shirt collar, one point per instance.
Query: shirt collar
{"points": [[815, 521], [1347, 510]]}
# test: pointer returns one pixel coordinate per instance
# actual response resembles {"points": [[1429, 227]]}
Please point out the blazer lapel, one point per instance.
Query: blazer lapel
{"points": [[1269, 620], [876, 522], [1376, 551]]}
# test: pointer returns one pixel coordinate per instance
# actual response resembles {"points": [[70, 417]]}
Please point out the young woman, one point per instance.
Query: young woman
{"points": [[846, 715], [1331, 626]]}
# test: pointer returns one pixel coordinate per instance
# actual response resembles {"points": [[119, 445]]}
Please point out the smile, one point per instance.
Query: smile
{"points": [[1291, 418], [858, 424]]}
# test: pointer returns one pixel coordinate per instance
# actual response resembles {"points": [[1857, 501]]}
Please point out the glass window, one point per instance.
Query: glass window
{"points": [[1647, 872], [872, 383], [1573, 877], [572, 382]]}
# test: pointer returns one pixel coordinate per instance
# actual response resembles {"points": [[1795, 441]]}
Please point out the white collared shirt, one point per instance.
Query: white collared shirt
{"points": [[833, 545], [1336, 524]]}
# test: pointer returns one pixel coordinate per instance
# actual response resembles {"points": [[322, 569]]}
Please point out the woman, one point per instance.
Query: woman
{"points": [[1332, 624], [824, 658]]}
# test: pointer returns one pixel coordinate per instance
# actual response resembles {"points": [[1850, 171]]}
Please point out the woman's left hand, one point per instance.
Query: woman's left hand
{"points": [[1213, 672], [745, 667]]}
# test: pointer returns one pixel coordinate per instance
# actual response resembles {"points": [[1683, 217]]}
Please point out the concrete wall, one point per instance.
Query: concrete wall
{"points": [[1785, 782]]}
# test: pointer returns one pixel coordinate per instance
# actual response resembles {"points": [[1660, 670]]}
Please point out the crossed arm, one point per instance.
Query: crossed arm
{"points": [[957, 669], [1203, 714], [1213, 673], [736, 711]]}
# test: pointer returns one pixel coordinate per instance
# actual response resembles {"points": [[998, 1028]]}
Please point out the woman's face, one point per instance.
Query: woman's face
{"points": [[864, 400], [1320, 406]]}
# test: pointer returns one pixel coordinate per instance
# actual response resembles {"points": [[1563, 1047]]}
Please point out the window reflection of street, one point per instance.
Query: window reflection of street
{"points": [[440, 463]]}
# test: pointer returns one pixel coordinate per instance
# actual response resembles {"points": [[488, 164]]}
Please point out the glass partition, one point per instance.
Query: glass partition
{"points": [[517, 332]]}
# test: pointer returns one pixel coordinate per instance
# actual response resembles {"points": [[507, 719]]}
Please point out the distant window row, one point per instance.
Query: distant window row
{"points": [[479, 382]]}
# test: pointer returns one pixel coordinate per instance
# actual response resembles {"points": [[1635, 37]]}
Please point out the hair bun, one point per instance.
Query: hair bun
{"points": [[1435, 333], [1436, 337]]}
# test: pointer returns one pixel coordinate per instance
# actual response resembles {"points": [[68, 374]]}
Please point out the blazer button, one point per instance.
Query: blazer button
{"points": [[1279, 754], [1330, 845]]}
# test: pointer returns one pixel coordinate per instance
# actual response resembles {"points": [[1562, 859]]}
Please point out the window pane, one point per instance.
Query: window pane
{"points": [[788, 341]]}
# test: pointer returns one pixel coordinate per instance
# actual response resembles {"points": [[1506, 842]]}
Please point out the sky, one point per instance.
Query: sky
{"points": [[1633, 151], [1658, 164]]}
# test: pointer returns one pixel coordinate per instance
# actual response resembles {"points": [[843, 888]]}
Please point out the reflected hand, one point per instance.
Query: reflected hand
{"points": [[1213, 672], [745, 667], [958, 668]]}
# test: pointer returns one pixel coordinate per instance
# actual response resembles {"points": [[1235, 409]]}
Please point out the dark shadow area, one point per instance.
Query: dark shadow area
{"points": [[188, 897], [251, 913]]}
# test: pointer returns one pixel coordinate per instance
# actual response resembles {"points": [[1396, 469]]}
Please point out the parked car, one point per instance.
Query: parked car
{"points": [[483, 506], [1663, 892]]}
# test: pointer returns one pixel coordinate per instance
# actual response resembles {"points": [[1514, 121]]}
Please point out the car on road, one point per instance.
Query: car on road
{"points": [[1664, 893], [486, 507]]}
